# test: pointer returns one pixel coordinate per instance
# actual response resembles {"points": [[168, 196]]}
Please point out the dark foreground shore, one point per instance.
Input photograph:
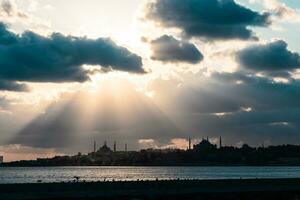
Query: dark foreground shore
{"points": [[256, 189]]}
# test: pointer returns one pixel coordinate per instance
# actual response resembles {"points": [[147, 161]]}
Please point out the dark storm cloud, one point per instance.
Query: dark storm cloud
{"points": [[275, 126], [58, 58], [226, 92], [13, 86], [168, 49], [240, 107], [212, 19], [274, 58], [259, 93]]}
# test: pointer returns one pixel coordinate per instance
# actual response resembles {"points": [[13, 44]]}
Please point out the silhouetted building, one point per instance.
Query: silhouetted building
{"points": [[115, 146], [190, 143], [220, 142], [1, 159], [204, 145], [95, 146], [104, 149], [247, 148], [204, 153]]}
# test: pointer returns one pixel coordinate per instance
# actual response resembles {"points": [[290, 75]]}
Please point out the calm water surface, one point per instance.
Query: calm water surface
{"points": [[59, 174]]}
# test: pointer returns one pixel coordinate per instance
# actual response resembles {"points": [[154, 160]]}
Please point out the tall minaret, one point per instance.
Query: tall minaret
{"points": [[190, 144], [220, 141], [126, 147], [115, 146], [95, 146]]}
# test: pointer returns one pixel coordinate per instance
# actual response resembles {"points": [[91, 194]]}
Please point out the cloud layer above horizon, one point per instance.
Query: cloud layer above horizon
{"points": [[167, 49], [34, 58], [194, 68], [211, 19], [272, 57]]}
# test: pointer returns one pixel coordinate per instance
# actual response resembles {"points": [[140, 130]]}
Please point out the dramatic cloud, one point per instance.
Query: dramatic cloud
{"points": [[213, 19], [168, 49], [58, 58], [13, 86], [167, 106], [271, 57], [234, 105], [225, 93]]}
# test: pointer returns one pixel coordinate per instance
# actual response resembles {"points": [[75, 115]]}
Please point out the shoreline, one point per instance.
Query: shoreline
{"points": [[7, 165], [160, 189]]}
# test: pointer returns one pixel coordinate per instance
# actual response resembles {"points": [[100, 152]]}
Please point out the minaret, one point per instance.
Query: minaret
{"points": [[190, 143], [207, 139], [220, 141], [105, 143], [115, 146], [95, 146], [126, 147]]}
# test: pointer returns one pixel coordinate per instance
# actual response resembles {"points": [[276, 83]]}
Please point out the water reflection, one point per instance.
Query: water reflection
{"points": [[60, 174]]}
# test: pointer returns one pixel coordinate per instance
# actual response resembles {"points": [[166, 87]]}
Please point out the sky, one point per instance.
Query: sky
{"points": [[149, 73]]}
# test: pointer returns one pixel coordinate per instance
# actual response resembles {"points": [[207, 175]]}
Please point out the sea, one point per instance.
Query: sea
{"points": [[9, 175]]}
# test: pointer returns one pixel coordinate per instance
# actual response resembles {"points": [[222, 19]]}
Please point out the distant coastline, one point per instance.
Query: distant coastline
{"points": [[202, 154]]}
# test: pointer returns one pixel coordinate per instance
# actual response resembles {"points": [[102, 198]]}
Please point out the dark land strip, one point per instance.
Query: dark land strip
{"points": [[256, 189]]}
